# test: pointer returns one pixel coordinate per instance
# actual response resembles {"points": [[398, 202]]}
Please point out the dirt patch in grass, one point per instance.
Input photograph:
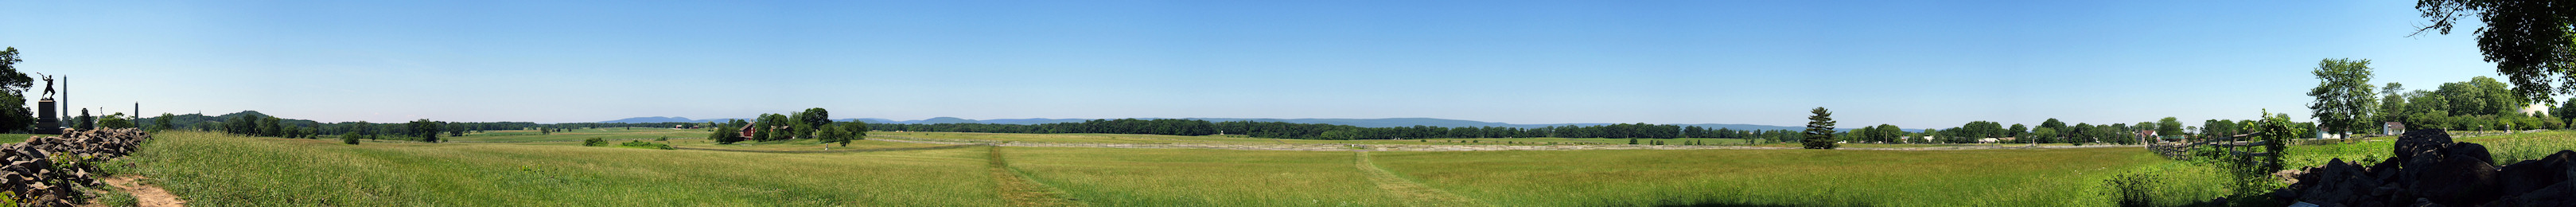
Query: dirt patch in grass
{"points": [[145, 194]]}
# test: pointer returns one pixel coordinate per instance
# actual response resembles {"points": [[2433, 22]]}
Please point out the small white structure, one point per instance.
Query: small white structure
{"points": [[2392, 128]]}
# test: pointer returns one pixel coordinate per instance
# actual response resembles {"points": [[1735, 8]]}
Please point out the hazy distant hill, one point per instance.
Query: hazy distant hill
{"points": [[656, 119], [1383, 122]]}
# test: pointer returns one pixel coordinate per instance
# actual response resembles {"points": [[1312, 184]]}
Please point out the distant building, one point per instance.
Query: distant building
{"points": [[2392, 128], [2535, 109]]}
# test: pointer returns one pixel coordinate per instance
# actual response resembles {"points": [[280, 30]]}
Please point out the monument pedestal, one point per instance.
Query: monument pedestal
{"points": [[45, 121]]}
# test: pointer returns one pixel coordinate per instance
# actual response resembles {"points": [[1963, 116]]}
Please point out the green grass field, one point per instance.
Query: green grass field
{"points": [[2060, 177], [1239, 139], [1192, 177], [16, 138], [222, 170]]}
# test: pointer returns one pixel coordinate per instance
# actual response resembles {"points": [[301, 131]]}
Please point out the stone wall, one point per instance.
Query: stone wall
{"points": [[2431, 170], [44, 170]]}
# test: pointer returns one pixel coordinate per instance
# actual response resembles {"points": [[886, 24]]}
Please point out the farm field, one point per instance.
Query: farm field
{"points": [[1238, 139], [212, 169], [2055, 177], [1198, 177]]}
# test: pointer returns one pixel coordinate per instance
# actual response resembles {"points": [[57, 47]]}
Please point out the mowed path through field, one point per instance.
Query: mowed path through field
{"points": [[1019, 190], [1415, 194]]}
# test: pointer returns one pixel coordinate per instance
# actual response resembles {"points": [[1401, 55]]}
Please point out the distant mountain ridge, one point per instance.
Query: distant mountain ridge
{"points": [[1379, 122]]}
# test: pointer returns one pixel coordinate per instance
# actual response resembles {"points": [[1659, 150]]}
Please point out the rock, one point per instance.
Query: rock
{"points": [[2530, 175], [2420, 140], [2385, 170], [2337, 183], [2472, 150], [2458, 181], [2560, 194]]}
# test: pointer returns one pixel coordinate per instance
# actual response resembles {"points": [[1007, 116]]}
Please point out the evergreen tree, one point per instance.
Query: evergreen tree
{"points": [[1820, 130]]}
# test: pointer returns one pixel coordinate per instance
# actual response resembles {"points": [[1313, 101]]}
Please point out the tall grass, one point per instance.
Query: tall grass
{"points": [[2508, 149], [1193, 177], [209, 169], [2059, 177]]}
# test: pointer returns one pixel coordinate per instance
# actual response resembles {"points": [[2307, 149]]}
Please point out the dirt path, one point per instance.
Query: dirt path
{"points": [[145, 195], [1414, 194], [1020, 191]]}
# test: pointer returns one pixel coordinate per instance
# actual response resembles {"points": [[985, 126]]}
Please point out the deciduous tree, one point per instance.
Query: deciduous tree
{"points": [[2529, 40], [2343, 95]]}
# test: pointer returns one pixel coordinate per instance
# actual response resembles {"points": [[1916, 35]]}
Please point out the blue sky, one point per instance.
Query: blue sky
{"points": [[1916, 64]]}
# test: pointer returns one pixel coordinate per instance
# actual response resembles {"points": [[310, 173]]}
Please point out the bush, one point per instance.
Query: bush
{"points": [[646, 145], [594, 142], [2133, 189], [351, 139]]}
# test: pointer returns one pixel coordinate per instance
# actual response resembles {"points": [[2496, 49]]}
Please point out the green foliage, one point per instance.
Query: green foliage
{"points": [[2344, 101], [115, 121], [14, 112], [830, 133], [648, 145], [2169, 126], [729, 132], [2042, 135], [2135, 189], [2529, 40], [425, 130], [811, 120], [1820, 130], [351, 139], [594, 142]]}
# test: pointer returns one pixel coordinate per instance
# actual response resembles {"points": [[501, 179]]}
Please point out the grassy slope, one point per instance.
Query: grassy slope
{"points": [[1238, 139], [1767, 177], [220, 170], [1191, 177]]}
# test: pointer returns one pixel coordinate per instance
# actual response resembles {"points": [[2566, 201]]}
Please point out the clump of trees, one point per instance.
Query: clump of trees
{"points": [[426, 130], [14, 114], [813, 123]]}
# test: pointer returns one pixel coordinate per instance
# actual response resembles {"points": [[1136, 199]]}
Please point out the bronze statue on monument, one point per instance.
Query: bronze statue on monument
{"points": [[46, 122]]}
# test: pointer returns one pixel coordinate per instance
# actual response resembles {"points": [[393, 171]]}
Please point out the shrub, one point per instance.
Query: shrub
{"points": [[647, 145], [351, 139], [2132, 189], [594, 142], [664, 138]]}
